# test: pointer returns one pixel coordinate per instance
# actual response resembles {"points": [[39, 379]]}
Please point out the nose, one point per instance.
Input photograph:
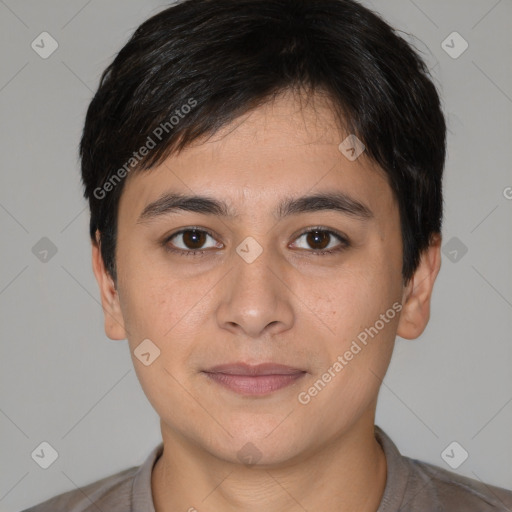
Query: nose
{"points": [[255, 298]]}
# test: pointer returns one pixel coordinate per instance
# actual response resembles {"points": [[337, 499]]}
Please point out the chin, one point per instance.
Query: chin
{"points": [[256, 441]]}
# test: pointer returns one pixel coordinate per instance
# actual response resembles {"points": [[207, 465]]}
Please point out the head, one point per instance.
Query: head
{"points": [[264, 180]]}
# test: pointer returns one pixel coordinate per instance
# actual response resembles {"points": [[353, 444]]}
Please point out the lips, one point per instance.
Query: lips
{"points": [[252, 380], [258, 369]]}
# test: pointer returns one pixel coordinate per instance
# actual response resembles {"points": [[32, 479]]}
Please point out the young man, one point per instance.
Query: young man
{"points": [[264, 179]]}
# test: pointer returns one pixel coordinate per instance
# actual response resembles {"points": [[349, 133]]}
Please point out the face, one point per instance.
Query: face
{"points": [[299, 286]]}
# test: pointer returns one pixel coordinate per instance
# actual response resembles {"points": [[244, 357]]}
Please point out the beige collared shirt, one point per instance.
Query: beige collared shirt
{"points": [[411, 486]]}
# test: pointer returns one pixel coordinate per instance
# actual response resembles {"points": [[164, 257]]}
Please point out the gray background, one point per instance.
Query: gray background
{"points": [[64, 382]]}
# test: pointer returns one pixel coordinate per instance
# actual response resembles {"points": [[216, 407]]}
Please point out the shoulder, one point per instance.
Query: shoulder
{"points": [[129, 489], [110, 494], [434, 486], [413, 485]]}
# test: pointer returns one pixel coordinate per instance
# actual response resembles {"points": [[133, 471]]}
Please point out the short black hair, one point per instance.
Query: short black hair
{"points": [[200, 64]]}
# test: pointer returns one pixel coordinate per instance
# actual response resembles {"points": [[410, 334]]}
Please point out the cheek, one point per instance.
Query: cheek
{"points": [[354, 297], [159, 310], [170, 312], [354, 363], [165, 312], [152, 299], [361, 307]]}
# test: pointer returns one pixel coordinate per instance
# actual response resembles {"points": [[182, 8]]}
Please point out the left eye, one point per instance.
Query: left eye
{"points": [[321, 240]]}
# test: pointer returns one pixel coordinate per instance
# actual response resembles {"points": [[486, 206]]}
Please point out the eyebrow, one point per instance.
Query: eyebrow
{"points": [[336, 201]]}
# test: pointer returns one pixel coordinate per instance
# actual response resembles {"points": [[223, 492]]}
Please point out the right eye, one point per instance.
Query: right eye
{"points": [[190, 242]]}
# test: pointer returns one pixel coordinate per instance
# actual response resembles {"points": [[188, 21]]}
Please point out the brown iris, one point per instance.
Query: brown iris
{"points": [[194, 239], [318, 237]]}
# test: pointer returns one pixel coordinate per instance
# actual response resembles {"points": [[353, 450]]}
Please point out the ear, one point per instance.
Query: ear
{"points": [[114, 322], [418, 291]]}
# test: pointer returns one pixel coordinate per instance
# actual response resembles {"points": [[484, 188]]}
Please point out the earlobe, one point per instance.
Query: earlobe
{"points": [[418, 292], [114, 322]]}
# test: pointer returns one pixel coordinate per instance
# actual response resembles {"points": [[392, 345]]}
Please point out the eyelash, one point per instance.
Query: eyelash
{"points": [[199, 253]]}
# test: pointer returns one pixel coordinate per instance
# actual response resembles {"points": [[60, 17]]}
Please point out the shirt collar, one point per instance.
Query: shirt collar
{"points": [[142, 498], [397, 473], [396, 479]]}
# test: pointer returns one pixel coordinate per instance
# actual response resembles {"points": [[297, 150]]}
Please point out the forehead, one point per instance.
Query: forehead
{"points": [[284, 148]]}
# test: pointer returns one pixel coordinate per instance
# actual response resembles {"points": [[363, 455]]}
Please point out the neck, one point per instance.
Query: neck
{"points": [[348, 474]]}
